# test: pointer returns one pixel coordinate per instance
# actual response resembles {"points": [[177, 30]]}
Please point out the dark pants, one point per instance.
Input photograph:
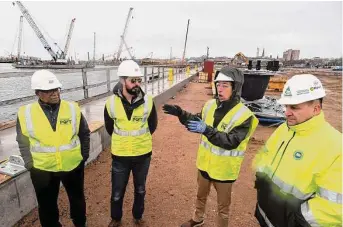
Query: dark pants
{"points": [[47, 185], [121, 169]]}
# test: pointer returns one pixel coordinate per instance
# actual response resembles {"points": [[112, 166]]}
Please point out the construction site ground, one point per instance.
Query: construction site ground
{"points": [[171, 185]]}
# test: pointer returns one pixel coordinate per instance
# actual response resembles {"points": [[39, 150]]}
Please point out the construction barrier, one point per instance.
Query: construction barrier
{"points": [[170, 74]]}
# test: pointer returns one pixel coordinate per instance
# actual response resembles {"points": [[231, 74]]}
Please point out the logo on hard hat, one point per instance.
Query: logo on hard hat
{"points": [[288, 92], [136, 70], [51, 81], [298, 155], [303, 92], [315, 87]]}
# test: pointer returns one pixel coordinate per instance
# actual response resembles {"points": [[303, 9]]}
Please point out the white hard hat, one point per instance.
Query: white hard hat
{"points": [[129, 68], [223, 77], [300, 89], [44, 80]]}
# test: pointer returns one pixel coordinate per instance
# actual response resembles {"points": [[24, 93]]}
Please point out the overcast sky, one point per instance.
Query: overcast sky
{"points": [[226, 27]]}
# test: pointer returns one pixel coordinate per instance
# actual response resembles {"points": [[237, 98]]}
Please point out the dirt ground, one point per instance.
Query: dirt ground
{"points": [[171, 185]]}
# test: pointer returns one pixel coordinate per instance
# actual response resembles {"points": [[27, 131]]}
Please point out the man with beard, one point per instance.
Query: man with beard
{"points": [[131, 119], [299, 170], [226, 126], [53, 138]]}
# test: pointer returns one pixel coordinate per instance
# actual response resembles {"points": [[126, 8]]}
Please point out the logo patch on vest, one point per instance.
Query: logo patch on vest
{"points": [[224, 126], [298, 155], [65, 121], [137, 119]]}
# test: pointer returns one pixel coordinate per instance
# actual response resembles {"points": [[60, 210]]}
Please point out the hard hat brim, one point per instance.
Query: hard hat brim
{"points": [[223, 77]]}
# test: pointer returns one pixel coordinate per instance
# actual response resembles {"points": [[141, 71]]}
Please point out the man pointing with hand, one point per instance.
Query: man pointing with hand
{"points": [[226, 126]]}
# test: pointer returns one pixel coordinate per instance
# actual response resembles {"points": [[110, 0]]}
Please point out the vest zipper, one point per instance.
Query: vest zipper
{"points": [[284, 150], [277, 152]]}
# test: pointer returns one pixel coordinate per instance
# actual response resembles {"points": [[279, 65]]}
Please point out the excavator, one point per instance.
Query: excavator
{"points": [[240, 58]]}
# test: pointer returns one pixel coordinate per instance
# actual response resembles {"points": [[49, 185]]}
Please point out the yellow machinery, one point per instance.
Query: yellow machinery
{"points": [[276, 83], [240, 58]]}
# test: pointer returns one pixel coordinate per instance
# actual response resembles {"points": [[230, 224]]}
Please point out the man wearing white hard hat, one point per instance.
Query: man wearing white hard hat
{"points": [[299, 170], [131, 119], [225, 126], [53, 138]]}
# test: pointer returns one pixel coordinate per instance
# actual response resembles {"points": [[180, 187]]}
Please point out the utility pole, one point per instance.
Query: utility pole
{"points": [[20, 36], [184, 49], [171, 53], [94, 49], [207, 55]]}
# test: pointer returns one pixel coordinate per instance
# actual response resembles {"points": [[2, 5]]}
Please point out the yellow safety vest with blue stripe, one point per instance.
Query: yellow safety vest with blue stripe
{"points": [[304, 161], [53, 151], [221, 164], [130, 137]]}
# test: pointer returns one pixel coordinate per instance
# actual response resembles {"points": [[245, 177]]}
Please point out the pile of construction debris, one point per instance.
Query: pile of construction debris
{"points": [[267, 110]]}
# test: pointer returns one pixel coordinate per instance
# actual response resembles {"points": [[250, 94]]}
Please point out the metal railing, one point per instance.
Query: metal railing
{"points": [[158, 74]]}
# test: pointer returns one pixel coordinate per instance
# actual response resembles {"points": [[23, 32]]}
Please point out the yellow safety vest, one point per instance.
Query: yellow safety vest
{"points": [[53, 151], [130, 137], [221, 164], [305, 161]]}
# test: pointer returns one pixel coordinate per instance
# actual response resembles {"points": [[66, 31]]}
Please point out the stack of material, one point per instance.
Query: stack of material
{"points": [[267, 110]]}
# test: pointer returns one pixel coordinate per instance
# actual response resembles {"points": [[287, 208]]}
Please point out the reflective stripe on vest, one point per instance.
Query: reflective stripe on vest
{"points": [[330, 195], [49, 149], [265, 216], [284, 187], [145, 106], [222, 152], [217, 150], [307, 213], [130, 133]]}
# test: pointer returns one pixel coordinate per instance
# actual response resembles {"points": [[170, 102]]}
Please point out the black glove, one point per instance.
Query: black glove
{"points": [[172, 110]]}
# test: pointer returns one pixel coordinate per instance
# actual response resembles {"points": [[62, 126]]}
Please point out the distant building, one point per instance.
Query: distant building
{"points": [[295, 55], [291, 55]]}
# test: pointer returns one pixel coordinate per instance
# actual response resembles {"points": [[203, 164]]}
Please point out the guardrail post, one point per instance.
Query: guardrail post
{"points": [[145, 81], [85, 84], [108, 78], [163, 79], [158, 81], [152, 80]]}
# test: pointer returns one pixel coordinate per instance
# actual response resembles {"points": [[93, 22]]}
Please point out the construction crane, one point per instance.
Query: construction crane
{"points": [[66, 47], [150, 55], [122, 37], [20, 36], [113, 54], [39, 34], [184, 49]]}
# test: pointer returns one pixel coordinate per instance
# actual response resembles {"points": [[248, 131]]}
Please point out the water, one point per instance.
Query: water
{"points": [[15, 87]]}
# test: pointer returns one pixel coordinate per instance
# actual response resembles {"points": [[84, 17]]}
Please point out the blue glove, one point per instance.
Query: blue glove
{"points": [[197, 126]]}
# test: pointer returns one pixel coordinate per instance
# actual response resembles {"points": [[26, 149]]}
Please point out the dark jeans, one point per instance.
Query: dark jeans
{"points": [[121, 169], [47, 185]]}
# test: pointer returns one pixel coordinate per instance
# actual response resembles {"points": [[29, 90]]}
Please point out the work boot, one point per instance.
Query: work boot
{"points": [[192, 223], [139, 222], [114, 223]]}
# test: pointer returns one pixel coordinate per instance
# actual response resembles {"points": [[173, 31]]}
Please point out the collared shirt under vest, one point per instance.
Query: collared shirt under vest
{"points": [[130, 137], [221, 164], [51, 150]]}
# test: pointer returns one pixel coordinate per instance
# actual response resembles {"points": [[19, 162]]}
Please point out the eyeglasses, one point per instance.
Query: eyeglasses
{"points": [[138, 80], [50, 91]]}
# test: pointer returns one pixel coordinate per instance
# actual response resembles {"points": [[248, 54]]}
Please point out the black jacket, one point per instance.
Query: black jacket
{"points": [[129, 107], [224, 140], [51, 112]]}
